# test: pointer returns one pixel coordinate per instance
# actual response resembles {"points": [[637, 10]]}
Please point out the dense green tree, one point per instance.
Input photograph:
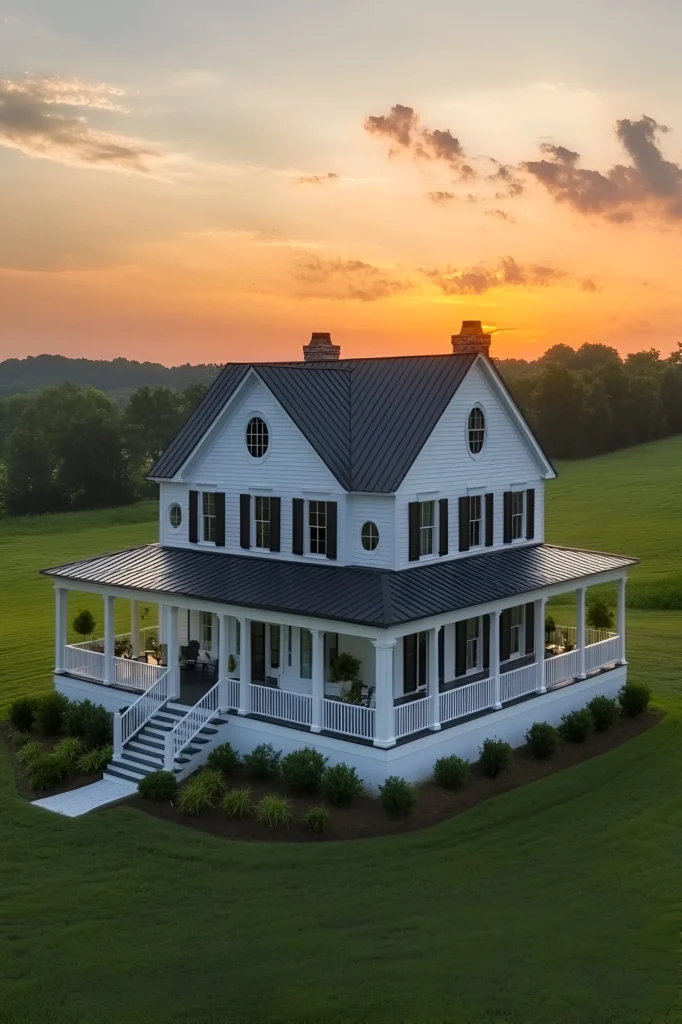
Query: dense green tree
{"points": [[559, 403]]}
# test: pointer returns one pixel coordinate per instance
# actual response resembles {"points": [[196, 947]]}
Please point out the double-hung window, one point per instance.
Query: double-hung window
{"points": [[415, 660], [516, 620], [475, 520], [317, 525], [207, 630], [473, 644], [306, 654], [209, 516], [517, 510], [261, 512], [426, 527], [275, 640]]}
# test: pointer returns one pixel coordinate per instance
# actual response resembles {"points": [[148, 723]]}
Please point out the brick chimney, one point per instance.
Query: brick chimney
{"points": [[471, 338], [320, 348]]}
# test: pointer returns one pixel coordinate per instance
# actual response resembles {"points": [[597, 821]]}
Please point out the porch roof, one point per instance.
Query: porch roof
{"points": [[368, 597]]}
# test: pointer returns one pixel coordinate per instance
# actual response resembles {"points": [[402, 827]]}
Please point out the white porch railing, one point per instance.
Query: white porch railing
{"points": [[350, 719], [274, 703], [606, 652], [518, 682], [81, 662], [560, 668], [229, 693], [411, 717], [467, 700], [144, 635], [136, 675], [569, 634], [193, 722], [139, 713]]}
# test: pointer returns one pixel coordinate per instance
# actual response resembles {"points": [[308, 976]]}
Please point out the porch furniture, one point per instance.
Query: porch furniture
{"points": [[190, 654]]}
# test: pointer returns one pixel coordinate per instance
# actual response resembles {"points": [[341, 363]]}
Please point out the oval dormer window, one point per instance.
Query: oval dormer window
{"points": [[257, 437], [175, 516], [369, 536], [476, 430]]}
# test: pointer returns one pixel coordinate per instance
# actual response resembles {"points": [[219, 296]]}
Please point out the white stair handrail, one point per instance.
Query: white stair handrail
{"points": [[135, 717], [192, 723]]}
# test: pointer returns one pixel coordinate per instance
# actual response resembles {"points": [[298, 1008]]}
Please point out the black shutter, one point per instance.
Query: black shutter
{"points": [[530, 628], [464, 508], [331, 529], [489, 520], [530, 514], [460, 648], [413, 519], [443, 526], [507, 517], [486, 641], [220, 519], [275, 504], [297, 526], [505, 635], [194, 517], [245, 520]]}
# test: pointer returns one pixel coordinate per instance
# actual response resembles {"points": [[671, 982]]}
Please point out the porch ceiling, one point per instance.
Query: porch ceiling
{"points": [[368, 597]]}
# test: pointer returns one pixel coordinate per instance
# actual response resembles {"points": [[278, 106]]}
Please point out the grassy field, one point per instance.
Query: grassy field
{"points": [[560, 902]]}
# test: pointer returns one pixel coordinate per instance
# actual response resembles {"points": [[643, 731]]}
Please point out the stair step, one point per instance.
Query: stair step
{"points": [[179, 709], [144, 759], [140, 747], [148, 740], [157, 728], [129, 771]]}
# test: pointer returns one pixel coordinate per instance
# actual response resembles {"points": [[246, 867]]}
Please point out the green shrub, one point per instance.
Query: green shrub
{"points": [[224, 759], [576, 726], [45, 771], [340, 784], [543, 740], [495, 757], [604, 711], [302, 770], [197, 796], [451, 772], [398, 796], [22, 713], [316, 820], [274, 811], [213, 780], [92, 723], [263, 762], [74, 717], [84, 623], [94, 761], [68, 751], [550, 625], [237, 803], [50, 711], [30, 751], [19, 739], [158, 786], [599, 615], [634, 699]]}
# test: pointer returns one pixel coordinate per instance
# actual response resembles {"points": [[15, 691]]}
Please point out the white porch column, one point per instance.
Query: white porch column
{"points": [[135, 628], [495, 657], [223, 655], [60, 613], [244, 666], [432, 681], [163, 626], [173, 652], [384, 733], [318, 679], [539, 614], [109, 643], [621, 621], [580, 631]]}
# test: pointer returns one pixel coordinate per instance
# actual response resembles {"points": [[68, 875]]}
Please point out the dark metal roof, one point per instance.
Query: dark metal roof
{"points": [[370, 597], [367, 419]]}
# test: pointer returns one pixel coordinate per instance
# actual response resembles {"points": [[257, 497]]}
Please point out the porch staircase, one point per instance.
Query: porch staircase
{"points": [[143, 753]]}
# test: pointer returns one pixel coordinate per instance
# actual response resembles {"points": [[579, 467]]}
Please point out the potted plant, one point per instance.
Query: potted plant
{"points": [[231, 665], [345, 669]]}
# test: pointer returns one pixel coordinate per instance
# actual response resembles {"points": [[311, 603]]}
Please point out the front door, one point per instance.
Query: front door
{"points": [[258, 651]]}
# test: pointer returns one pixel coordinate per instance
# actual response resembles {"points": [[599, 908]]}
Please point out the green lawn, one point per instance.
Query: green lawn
{"points": [[560, 902]]}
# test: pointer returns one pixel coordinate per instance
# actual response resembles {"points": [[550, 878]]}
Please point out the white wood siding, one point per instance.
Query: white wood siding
{"points": [[378, 509]]}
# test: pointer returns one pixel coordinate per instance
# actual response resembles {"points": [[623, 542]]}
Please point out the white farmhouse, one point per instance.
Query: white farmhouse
{"points": [[389, 508]]}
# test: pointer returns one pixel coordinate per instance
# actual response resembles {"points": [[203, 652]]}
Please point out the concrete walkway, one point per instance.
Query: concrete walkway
{"points": [[87, 798]]}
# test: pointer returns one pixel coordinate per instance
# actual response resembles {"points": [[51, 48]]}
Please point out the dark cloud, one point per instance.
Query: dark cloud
{"points": [[401, 127], [506, 175], [35, 118], [317, 179], [649, 179], [441, 198], [348, 279], [588, 285], [477, 280], [500, 215]]}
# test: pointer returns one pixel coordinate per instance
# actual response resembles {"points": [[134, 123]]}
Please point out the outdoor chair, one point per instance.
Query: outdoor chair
{"points": [[190, 653]]}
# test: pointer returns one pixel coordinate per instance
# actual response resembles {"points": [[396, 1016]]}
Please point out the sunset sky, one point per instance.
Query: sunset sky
{"points": [[210, 180]]}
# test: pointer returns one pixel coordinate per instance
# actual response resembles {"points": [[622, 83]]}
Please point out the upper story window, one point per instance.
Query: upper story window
{"points": [[262, 514], [317, 525], [257, 437], [369, 536], [476, 430], [517, 511], [209, 516], [475, 520], [175, 516], [426, 527]]}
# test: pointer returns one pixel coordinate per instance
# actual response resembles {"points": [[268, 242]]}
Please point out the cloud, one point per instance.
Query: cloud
{"points": [[477, 280], [506, 175], [441, 198], [648, 181], [42, 117], [348, 279], [500, 215], [402, 129], [317, 179], [588, 285]]}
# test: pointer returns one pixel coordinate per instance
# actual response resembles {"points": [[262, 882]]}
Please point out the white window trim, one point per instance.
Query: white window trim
{"points": [[435, 529], [481, 534], [522, 537], [479, 650], [486, 431], [307, 528], [254, 497], [521, 653], [205, 624], [369, 551], [254, 414], [214, 491]]}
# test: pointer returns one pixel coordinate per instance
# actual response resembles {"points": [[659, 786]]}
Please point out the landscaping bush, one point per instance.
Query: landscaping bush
{"points": [[74, 717], [94, 761], [45, 771], [274, 811], [263, 762], [223, 758], [237, 803], [599, 615], [634, 699], [197, 796], [29, 752], [495, 757], [604, 711], [18, 738], [159, 786], [398, 796], [50, 711], [316, 820], [340, 784], [84, 623], [22, 713], [451, 772], [302, 770], [68, 751], [576, 726], [213, 780], [543, 740], [92, 723]]}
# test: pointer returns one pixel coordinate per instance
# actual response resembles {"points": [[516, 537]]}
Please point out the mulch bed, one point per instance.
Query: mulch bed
{"points": [[366, 818], [74, 781]]}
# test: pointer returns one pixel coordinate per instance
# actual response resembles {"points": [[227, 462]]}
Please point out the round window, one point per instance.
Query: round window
{"points": [[175, 516], [476, 430], [370, 536], [257, 437]]}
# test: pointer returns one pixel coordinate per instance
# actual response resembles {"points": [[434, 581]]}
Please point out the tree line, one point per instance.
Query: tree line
{"points": [[72, 447]]}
